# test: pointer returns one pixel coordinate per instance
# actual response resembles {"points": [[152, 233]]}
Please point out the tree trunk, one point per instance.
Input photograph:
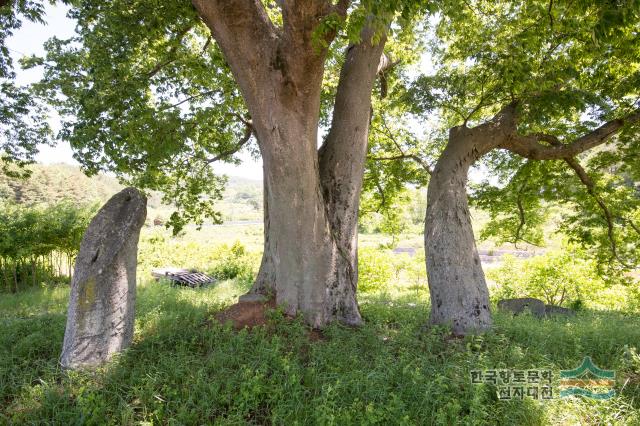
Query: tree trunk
{"points": [[7, 281], [312, 199], [459, 294], [299, 238], [279, 70], [15, 277], [342, 160], [303, 265]]}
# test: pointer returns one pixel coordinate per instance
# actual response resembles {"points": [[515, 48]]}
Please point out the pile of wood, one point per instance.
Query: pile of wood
{"points": [[184, 277]]}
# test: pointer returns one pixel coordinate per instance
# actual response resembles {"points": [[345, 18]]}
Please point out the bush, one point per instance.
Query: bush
{"points": [[559, 278], [221, 261], [234, 262], [38, 244], [375, 269]]}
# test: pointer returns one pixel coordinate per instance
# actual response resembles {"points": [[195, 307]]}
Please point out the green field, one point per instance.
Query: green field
{"points": [[186, 369]]}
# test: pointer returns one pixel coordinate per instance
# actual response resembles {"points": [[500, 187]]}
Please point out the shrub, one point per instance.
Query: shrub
{"points": [[221, 261], [38, 244], [375, 269], [557, 277], [234, 262]]}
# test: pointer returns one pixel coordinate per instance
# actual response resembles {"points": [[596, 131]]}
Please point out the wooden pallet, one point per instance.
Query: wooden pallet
{"points": [[184, 277]]}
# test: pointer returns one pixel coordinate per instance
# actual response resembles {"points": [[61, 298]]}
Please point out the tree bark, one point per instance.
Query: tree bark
{"points": [[342, 163], [458, 290], [266, 278], [459, 294], [310, 216]]}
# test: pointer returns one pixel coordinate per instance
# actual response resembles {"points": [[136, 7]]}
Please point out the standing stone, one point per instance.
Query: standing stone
{"points": [[103, 290], [518, 306]]}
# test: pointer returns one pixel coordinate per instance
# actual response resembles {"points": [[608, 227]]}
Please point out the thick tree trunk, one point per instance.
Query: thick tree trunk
{"points": [[459, 295], [342, 161], [311, 200], [279, 70], [301, 254], [306, 257]]}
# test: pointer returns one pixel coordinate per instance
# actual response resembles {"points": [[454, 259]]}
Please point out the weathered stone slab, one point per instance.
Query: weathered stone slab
{"points": [[558, 310], [101, 315], [518, 306]]}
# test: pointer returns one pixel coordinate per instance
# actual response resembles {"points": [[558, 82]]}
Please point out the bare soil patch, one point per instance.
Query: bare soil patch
{"points": [[254, 314]]}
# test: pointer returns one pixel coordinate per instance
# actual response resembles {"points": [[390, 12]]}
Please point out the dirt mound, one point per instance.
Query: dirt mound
{"points": [[246, 314], [253, 314]]}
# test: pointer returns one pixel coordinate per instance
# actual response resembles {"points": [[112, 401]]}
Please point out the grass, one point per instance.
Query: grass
{"points": [[184, 369]]}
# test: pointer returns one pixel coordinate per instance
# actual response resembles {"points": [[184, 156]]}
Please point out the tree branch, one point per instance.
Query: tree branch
{"points": [[415, 158], [190, 98], [529, 146], [226, 154], [591, 189], [172, 51], [341, 7], [246, 37], [206, 44], [385, 65], [633, 225], [383, 198], [403, 154], [300, 51]]}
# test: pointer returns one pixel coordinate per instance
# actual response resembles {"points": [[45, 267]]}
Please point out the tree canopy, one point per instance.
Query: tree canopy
{"points": [[573, 70], [144, 92], [22, 119]]}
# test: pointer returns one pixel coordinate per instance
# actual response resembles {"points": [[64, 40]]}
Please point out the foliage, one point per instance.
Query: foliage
{"points": [[144, 94], [51, 184], [220, 260], [185, 368], [561, 277], [148, 81], [396, 158], [235, 262], [570, 66], [38, 244], [516, 211], [23, 122], [395, 217], [375, 269]]}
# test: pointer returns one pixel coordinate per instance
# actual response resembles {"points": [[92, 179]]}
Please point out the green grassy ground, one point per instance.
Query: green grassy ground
{"points": [[183, 369]]}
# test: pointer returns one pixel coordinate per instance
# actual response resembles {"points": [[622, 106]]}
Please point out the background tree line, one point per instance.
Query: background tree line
{"points": [[39, 244]]}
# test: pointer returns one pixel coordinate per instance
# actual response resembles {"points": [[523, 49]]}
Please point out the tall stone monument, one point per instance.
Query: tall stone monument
{"points": [[101, 314]]}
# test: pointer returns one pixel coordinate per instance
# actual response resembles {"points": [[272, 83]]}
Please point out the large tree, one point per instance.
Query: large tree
{"points": [[534, 90], [22, 123], [157, 92]]}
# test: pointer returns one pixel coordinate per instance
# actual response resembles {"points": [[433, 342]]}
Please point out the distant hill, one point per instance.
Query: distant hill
{"points": [[54, 183]]}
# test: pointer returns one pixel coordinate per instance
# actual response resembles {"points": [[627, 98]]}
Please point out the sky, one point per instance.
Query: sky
{"points": [[29, 40]]}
